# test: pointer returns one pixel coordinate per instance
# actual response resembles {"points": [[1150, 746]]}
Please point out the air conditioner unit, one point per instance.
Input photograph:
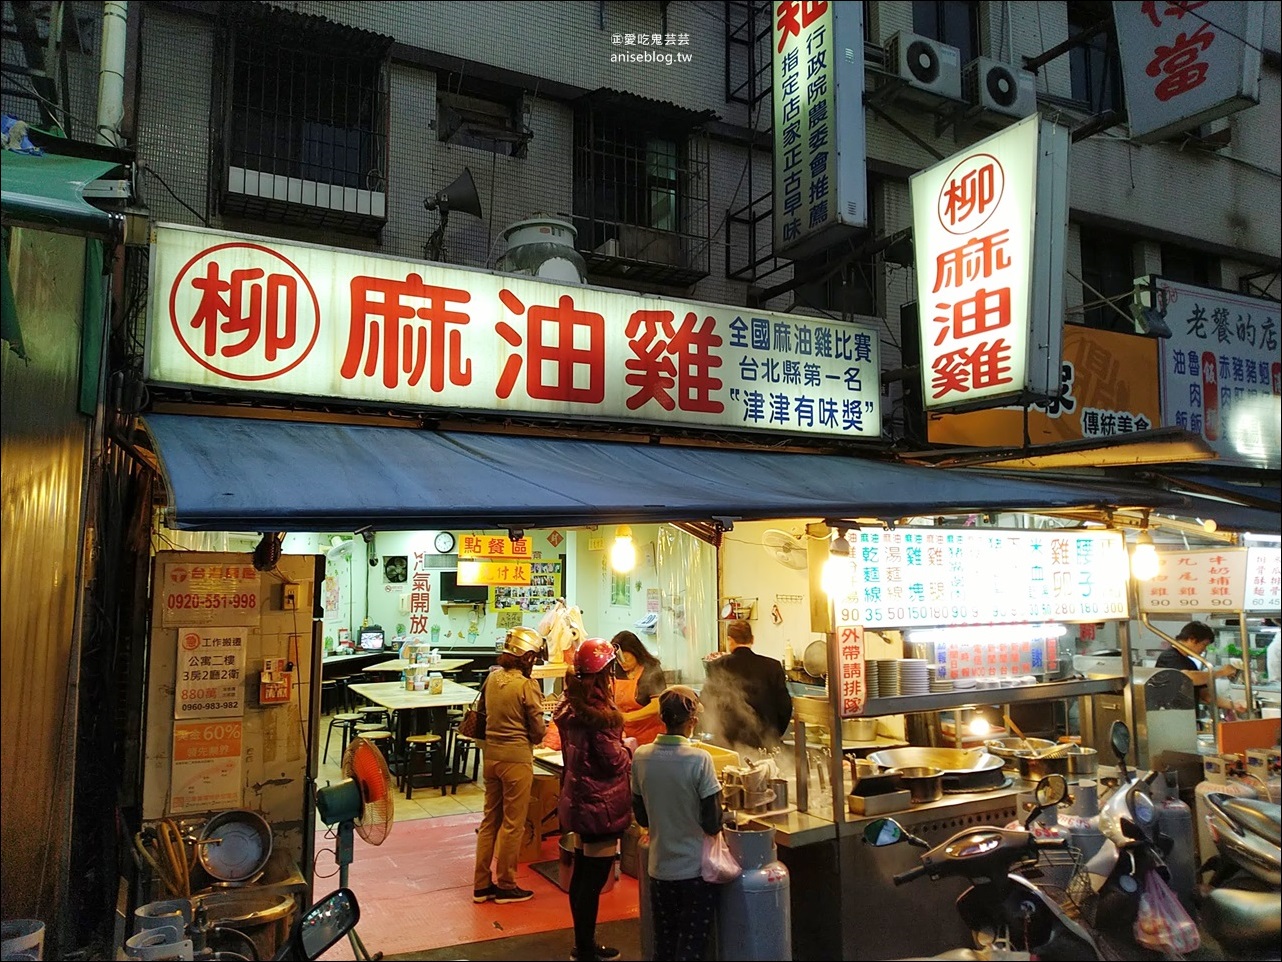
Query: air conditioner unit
{"points": [[999, 88], [932, 69], [649, 245]]}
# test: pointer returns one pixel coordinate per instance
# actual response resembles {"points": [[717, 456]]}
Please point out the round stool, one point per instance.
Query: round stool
{"points": [[419, 747], [344, 723], [463, 746], [329, 695], [376, 714]]}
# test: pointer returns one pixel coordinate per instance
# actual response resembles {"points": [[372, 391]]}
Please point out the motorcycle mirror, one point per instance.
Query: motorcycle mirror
{"points": [[1050, 790], [1119, 737], [883, 831], [327, 921]]}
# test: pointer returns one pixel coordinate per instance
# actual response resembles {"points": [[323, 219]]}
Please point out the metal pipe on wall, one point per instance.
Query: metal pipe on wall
{"points": [[111, 72]]}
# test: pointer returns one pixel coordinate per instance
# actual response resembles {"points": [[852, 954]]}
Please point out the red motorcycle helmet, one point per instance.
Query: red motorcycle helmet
{"points": [[593, 655]]}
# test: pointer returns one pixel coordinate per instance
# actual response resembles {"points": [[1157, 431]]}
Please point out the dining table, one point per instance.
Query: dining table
{"points": [[420, 712], [400, 664]]}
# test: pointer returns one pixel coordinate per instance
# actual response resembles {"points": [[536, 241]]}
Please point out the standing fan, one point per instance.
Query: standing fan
{"points": [[360, 802], [784, 548]]}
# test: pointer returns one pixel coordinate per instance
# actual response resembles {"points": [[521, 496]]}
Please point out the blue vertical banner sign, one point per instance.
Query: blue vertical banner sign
{"points": [[820, 150]]}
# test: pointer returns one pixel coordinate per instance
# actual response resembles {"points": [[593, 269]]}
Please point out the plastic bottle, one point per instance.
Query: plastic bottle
{"points": [[789, 657]]}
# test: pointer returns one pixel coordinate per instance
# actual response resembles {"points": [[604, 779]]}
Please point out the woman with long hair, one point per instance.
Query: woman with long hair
{"points": [[596, 794], [638, 681]]}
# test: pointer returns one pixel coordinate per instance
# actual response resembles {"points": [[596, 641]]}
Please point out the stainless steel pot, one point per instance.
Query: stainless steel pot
{"points": [[924, 784], [1033, 767], [1083, 761]]}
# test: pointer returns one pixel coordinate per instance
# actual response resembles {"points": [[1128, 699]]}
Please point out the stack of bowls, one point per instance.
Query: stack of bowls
{"points": [[872, 678], [938, 684], [888, 678], [913, 677]]}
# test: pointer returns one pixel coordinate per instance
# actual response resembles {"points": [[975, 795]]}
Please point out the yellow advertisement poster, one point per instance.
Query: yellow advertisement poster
{"points": [[206, 767], [494, 546], [1108, 388]]}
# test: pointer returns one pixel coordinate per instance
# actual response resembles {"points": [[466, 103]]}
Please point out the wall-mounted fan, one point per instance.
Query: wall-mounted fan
{"points": [[784, 548], [360, 802]]}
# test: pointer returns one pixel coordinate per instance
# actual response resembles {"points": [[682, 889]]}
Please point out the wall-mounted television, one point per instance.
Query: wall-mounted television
{"points": [[453, 593]]}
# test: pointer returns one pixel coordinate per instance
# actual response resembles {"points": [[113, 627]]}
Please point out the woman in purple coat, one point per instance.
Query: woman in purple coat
{"points": [[596, 790]]}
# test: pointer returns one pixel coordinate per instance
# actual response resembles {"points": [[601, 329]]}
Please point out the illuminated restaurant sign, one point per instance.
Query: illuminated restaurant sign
{"points": [[1187, 62], [240, 314], [820, 166], [989, 229], [1221, 374], [1215, 579], [915, 577]]}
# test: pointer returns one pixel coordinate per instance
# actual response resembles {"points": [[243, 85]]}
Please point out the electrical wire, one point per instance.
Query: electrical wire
{"points": [[148, 169]]}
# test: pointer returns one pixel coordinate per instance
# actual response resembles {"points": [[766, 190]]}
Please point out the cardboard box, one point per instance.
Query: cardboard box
{"points": [[541, 821]]}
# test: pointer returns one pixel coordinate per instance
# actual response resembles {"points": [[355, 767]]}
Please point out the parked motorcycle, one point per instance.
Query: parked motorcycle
{"points": [[312, 934], [1240, 906], [1130, 868], [1008, 915]]}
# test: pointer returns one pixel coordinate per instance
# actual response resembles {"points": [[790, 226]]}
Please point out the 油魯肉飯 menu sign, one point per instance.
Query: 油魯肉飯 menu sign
{"points": [[232, 313], [910, 577]]}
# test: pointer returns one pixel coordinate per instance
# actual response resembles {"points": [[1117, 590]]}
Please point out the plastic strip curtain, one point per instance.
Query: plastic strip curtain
{"points": [[687, 629]]}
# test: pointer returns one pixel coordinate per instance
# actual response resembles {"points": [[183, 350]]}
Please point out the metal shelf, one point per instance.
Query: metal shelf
{"points": [[906, 704]]}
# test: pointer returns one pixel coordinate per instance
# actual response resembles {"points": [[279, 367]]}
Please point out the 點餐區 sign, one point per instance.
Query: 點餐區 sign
{"points": [[233, 313]]}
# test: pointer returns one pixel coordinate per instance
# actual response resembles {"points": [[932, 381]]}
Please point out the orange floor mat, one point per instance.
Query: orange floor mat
{"points": [[415, 891]]}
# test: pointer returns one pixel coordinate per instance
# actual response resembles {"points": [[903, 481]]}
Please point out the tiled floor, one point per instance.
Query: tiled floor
{"points": [[415, 889]]}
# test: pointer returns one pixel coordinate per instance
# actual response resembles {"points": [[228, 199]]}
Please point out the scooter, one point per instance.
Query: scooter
{"points": [[1240, 907], [1008, 915], [1133, 848]]}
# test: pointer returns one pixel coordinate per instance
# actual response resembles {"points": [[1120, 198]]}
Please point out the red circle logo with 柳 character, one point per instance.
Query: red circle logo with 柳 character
{"points": [[970, 194], [244, 311]]}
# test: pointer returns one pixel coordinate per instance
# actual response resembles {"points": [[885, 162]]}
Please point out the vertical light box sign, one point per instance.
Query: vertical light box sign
{"points": [[820, 152], [990, 225]]}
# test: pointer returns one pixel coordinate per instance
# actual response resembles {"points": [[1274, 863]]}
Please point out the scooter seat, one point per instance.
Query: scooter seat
{"points": [[1236, 916], [1252, 814]]}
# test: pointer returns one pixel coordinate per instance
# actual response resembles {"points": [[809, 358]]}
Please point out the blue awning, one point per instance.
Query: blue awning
{"points": [[263, 475]]}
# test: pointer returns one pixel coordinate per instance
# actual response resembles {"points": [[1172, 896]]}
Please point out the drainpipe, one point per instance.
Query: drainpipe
{"points": [[111, 73]]}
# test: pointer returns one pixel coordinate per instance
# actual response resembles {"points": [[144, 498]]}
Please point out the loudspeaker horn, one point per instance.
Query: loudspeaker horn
{"points": [[458, 196]]}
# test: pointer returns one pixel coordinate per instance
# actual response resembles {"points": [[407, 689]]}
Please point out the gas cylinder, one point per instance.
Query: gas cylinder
{"points": [[1175, 820], [755, 916]]}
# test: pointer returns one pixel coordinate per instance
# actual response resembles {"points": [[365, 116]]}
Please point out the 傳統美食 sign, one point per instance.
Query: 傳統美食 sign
{"points": [[231, 313]]}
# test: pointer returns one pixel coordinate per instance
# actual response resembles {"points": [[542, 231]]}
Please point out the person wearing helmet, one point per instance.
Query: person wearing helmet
{"points": [[512, 708], [596, 797]]}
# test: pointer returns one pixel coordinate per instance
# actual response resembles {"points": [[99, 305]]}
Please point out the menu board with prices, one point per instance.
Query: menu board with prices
{"points": [[995, 659], [209, 679], [852, 685], [1213, 579], [917, 577], [210, 594], [1263, 580]]}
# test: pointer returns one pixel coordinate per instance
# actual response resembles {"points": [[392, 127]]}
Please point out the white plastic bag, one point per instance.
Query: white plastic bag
{"points": [[1162, 924], [719, 863]]}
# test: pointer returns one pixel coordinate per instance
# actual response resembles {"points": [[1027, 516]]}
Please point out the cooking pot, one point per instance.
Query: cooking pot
{"points": [[235, 845], [1083, 761], [924, 784], [1034, 767]]}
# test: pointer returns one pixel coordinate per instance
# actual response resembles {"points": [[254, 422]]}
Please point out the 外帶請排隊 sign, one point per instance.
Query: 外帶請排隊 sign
{"points": [[820, 162], [1187, 62], [989, 229], [232, 313]]}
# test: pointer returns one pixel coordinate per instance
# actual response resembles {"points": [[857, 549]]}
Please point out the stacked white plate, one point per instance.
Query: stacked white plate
{"points": [[965, 683], [872, 678], [913, 677], [888, 678], [938, 684]]}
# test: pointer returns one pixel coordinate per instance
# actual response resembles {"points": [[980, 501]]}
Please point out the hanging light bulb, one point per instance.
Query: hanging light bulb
{"points": [[623, 553], [837, 571], [1144, 557]]}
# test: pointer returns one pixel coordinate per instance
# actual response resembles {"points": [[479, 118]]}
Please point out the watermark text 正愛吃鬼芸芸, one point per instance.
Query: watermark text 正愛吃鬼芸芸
{"points": [[660, 48]]}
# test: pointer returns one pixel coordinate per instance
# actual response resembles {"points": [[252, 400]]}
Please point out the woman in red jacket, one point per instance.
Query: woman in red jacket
{"points": [[596, 791]]}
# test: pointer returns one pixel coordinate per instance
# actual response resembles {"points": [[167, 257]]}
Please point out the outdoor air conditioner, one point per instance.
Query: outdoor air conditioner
{"points": [[999, 88], [931, 69], [649, 245]]}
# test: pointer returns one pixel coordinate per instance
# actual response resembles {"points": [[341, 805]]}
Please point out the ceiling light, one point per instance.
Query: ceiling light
{"points": [[623, 553], [837, 570], [1144, 558]]}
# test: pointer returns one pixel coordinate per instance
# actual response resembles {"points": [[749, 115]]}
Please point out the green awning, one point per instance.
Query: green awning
{"points": [[45, 192]]}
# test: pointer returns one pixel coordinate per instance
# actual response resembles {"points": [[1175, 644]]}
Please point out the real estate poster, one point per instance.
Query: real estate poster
{"points": [[206, 770]]}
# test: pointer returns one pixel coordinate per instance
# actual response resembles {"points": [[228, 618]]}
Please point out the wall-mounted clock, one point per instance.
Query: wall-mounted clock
{"points": [[444, 542]]}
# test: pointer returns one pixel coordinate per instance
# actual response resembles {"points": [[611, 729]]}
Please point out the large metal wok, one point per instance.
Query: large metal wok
{"points": [[973, 770]]}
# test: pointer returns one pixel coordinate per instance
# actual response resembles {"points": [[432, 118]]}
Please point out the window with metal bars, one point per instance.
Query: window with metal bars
{"points": [[641, 195], [304, 125]]}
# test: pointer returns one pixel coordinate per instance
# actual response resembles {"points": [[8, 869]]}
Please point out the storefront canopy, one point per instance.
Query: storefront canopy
{"points": [[46, 192], [260, 475]]}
